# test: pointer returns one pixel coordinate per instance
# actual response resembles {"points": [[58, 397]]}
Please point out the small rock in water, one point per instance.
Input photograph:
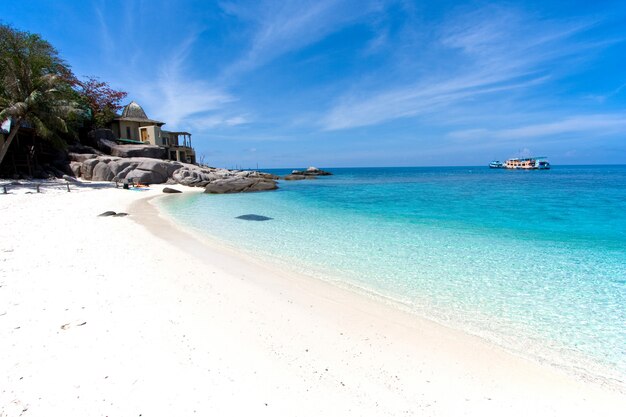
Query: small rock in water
{"points": [[107, 213], [254, 217]]}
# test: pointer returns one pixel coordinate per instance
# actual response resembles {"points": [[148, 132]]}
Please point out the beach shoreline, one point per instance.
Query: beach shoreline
{"points": [[174, 325], [580, 368]]}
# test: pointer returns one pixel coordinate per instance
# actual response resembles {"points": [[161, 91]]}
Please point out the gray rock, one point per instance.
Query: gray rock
{"points": [[102, 172], [264, 175], [145, 177], [169, 190], [119, 165], [311, 171], [294, 177], [239, 185], [107, 214], [81, 157], [75, 167], [165, 169], [130, 151], [86, 170], [193, 177], [124, 172], [79, 148]]}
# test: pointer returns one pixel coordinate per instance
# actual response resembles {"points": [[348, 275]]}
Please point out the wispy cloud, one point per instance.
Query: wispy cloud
{"points": [[107, 42], [179, 99], [599, 124], [495, 50], [214, 121], [280, 27], [601, 98]]}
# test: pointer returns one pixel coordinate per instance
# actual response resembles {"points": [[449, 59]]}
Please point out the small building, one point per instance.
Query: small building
{"points": [[134, 127]]}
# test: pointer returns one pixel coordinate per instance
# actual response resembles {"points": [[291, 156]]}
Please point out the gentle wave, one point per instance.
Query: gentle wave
{"points": [[534, 261]]}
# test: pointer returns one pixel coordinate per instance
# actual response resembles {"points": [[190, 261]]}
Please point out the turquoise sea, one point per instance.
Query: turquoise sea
{"points": [[533, 261]]}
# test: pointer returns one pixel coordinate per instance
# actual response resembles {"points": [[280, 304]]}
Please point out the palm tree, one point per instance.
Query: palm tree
{"points": [[35, 85]]}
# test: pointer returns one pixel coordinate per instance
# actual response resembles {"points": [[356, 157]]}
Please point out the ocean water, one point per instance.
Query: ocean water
{"points": [[533, 261]]}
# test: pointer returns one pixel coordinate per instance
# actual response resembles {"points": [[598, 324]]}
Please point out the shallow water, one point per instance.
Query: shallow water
{"points": [[534, 261]]}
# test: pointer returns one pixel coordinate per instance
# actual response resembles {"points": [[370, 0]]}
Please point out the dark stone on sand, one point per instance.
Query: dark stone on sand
{"points": [[169, 190], [107, 214], [120, 214], [254, 217]]}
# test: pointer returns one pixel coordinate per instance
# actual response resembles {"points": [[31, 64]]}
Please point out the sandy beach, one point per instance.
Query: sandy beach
{"points": [[134, 316]]}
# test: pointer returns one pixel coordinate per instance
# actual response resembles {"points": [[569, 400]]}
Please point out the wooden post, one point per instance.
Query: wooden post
{"points": [[38, 187], [5, 189], [68, 186]]}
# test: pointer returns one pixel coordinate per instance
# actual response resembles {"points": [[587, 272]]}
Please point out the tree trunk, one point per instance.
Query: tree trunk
{"points": [[12, 134]]}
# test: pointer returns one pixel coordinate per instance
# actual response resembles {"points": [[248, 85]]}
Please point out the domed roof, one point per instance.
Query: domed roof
{"points": [[134, 111]]}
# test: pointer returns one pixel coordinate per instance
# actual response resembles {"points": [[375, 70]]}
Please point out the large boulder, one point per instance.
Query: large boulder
{"points": [[194, 176], [81, 157], [75, 167], [79, 148], [86, 170], [145, 177], [119, 165], [131, 151], [163, 168], [239, 185], [102, 172]]}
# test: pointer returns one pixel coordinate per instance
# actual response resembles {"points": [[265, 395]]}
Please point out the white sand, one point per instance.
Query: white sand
{"points": [[175, 327]]}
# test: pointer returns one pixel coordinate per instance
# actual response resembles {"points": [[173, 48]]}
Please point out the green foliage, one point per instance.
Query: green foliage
{"points": [[35, 84]]}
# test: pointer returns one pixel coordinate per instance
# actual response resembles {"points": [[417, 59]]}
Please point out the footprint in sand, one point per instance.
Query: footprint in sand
{"points": [[75, 323], [13, 409]]}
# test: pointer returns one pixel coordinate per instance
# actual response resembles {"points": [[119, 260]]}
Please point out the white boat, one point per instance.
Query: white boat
{"points": [[535, 162]]}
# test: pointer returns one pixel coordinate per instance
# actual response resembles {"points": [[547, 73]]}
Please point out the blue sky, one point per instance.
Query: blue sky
{"points": [[359, 83]]}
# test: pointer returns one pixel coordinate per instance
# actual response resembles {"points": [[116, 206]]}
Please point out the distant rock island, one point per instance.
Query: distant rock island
{"points": [[308, 174]]}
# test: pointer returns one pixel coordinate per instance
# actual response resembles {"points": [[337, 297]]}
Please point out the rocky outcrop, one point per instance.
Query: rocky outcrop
{"points": [[168, 190], [239, 184], [131, 151], [81, 157], [156, 171], [311, 171], [194, 176], [294, 177]]}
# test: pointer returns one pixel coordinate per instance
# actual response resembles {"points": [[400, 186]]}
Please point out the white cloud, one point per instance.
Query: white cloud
{"points": [[177, 98], [214, 121], [493, 51], [596, 125], [284, 26]]}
